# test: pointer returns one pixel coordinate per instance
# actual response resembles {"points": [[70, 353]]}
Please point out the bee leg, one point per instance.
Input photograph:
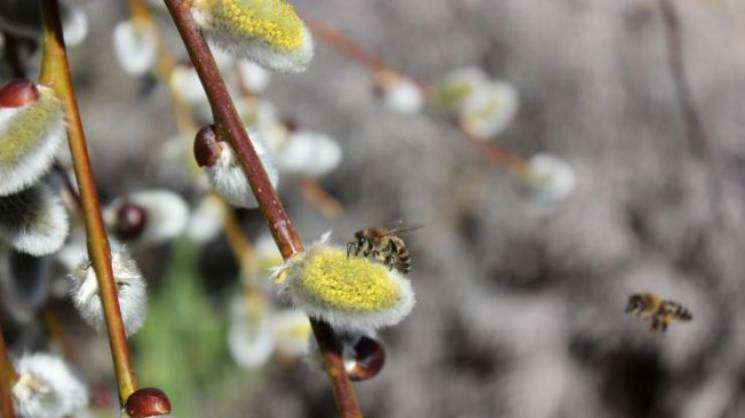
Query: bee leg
{"points": [[349, 248]]}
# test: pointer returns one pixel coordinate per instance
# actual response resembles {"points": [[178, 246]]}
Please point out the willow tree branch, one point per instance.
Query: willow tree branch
{"points": [[376, 65], [7, 377], [344, 44], [698, 141], [229, 126], [55, 73], [13, 55], [694, 128]]}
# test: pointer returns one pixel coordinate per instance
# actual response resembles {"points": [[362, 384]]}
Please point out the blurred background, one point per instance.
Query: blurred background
{"points": [[520, 313]]}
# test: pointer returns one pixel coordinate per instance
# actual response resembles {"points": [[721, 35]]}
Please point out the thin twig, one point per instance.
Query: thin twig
{"points": [[229, 126], [13, 55], [698, 141], [376, 65], [319, 198], [7, 378], [55, 72], [344, 44], [54, 329]]}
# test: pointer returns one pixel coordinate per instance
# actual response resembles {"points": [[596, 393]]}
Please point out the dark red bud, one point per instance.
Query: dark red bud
{"points": [[377, 90], [130, 220], [206, 147], [290, 123], [369, 356], [147, 402], [17, 93]]}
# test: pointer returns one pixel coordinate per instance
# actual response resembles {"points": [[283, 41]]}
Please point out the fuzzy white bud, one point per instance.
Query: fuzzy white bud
{"points": [[309, 154], [130, 287], [227, 178], [207, 220], [489, 109], [135, 44], [165, 216], [250, 337], [47, 388], [33, 221], [548, 179]]}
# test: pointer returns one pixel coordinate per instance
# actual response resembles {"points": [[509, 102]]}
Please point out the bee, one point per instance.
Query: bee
{"points": [[660, 311], [383, 244]]}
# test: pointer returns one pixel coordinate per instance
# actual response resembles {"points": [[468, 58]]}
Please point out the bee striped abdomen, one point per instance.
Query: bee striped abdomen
{"points": [[680, 312]]}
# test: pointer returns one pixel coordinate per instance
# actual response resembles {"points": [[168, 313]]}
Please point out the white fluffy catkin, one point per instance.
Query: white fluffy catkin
{"points": [[130, 291]]}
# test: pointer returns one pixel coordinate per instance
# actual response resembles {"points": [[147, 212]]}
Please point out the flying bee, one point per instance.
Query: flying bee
{"points": [[383, 244], [660, 311]]}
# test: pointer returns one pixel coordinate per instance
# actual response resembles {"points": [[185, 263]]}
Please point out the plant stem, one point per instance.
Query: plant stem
{"points": [[7, 378], [344, 44], [229, 126], [239, 245], [369, 61], [319, 198], [55, 73], [13, 56], [55, 332], [698, 142]]}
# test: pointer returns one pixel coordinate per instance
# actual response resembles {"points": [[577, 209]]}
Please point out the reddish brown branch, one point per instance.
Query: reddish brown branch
{"points": [[55, 72], [335, 38], [698, 141], [694, 128], [13, 45], [230, 127], [7, 376], [357, 53]]}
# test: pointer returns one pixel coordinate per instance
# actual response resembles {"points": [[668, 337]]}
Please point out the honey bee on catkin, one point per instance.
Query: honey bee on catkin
{"points": [[659, 311], [383, 244]]}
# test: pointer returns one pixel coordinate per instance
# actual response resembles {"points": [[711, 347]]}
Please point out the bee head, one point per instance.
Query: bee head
{"points": [[360, 236], [635, 303]]}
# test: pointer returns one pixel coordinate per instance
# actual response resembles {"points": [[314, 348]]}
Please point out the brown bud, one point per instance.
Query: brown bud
{"points": [[290, 123], [17, 93], [130, 220], [147, 402], [369, 359], [206, 147]]}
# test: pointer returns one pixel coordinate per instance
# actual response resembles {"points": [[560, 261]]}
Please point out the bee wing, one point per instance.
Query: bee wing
{"points": [[399, 226]]}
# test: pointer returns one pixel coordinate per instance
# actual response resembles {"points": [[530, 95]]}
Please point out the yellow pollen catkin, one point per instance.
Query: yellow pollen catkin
{"points": [[29, 126], [351, 284], [272, 21]]}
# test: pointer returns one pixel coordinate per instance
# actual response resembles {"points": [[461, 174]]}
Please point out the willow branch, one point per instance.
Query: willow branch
{"points": [[7, 377], [55, 73], [54, 330], [698, 141], [319, 198], [376, 65], [229, 126], [13, 55], [344, 44]]}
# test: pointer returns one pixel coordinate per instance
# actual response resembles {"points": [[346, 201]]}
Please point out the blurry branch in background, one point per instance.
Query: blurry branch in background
{"points": [[698, 141], [55, 73], [164, 66], [229, 126], [12, 55], [380, 69], [311, 190], [317, 196], [7, 378], [53, 328]]}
